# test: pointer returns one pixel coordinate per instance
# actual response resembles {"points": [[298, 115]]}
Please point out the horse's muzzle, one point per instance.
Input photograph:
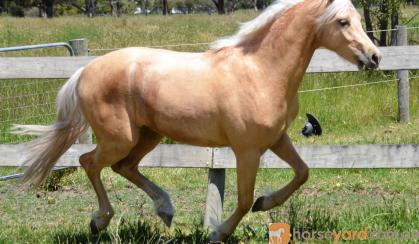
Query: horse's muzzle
{"points": [[369, 61]]}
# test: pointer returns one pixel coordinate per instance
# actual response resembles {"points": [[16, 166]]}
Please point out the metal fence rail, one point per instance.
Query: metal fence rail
{"points": [[39, 46]]}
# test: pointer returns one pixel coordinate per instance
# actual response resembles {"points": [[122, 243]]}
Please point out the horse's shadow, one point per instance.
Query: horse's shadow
{"points": [[140, 232]]}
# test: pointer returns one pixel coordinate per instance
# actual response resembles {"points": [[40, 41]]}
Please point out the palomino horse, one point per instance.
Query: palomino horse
{"points": [[242, 93]]}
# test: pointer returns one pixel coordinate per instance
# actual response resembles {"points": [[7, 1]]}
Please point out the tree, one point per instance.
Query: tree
{"points": [[114, 7], [231, 5], [165, 7], [3, 6], [46, 8], [386, 13], [90, 8], [367, 17], [219, 4], [15, 8]]}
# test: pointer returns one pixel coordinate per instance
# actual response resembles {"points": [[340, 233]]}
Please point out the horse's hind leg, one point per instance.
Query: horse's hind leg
{"points": [[128, 167], [93, 163]]}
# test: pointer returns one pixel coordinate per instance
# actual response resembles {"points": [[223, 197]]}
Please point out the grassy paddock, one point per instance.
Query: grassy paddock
{"points": [[377, 199]]}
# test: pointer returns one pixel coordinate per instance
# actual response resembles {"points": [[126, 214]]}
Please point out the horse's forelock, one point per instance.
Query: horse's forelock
{"points": [[333, 9]]}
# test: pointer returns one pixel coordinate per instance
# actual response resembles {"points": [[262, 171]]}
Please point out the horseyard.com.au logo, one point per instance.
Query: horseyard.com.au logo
{"points": [[280, 233]]}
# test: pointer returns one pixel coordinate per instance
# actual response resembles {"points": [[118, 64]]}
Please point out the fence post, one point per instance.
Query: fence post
{"points": [[215, 198], [80, 48], [402, 80]]}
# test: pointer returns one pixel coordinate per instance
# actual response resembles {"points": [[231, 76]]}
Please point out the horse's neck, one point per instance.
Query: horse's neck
{"points": [[287, 49]]}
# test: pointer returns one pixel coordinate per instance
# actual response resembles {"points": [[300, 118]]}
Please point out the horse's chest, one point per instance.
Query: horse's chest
{"points": [[276, 119]]}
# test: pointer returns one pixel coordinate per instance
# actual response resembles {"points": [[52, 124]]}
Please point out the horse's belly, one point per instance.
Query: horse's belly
{"points": [[199, 132]]}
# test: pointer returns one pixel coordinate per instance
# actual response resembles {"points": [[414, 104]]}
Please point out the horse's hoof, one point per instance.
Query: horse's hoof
{"points": [[93, 227], [217, 237], [257, 206], [167, 218]]}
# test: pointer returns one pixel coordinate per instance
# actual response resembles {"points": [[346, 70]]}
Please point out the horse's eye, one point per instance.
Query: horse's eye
{"points": [[344, 23]]}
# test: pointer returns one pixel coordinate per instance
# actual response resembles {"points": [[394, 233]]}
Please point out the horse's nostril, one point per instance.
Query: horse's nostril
{"points": [[375, 58]]}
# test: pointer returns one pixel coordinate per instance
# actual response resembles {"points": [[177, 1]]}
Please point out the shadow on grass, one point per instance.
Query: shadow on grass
{"points": [[300, 213], [140, 232]]}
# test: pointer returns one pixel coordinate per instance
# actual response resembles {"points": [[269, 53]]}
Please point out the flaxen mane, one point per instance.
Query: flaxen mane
{"points": [[249, 29]]}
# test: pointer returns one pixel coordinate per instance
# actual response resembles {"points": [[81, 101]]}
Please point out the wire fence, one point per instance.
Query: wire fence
{"points": [[26, 102], [413, 38]]}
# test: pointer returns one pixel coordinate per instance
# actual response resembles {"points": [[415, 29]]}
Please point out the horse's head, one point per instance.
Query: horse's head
{"points": [[340, 30]]}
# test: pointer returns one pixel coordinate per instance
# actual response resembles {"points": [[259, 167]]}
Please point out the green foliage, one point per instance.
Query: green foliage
{"points": [[53, 181], [382, 15]]}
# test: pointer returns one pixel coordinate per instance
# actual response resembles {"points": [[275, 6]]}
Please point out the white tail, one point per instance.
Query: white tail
{"points": [[55, 139]]}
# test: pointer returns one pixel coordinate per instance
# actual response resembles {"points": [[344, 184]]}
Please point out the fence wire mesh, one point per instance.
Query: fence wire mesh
{"points": [[28, 101]]}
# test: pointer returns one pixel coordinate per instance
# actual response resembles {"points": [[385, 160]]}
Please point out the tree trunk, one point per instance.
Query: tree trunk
{"points": [[42, 10], [165, 7], [46, 8], [144, 6], [2, 6], [368, 22], [255, 5], [383, 23], [90, 8], [394, 18], [50, 9], [231, 6], [219, 4], [394, 24], [114, 7], [259, 4]]}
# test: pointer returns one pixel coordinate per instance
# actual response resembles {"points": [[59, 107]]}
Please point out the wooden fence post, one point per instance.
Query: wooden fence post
{"points": [[80, 48], [215, 198], [402, 80]]}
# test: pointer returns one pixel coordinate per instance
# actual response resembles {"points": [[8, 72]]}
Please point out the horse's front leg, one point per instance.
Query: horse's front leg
{"points": [[284, 149], [247, 166]]}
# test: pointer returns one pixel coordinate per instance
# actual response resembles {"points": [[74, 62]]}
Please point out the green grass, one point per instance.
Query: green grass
{"points": [[378, 199]]}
